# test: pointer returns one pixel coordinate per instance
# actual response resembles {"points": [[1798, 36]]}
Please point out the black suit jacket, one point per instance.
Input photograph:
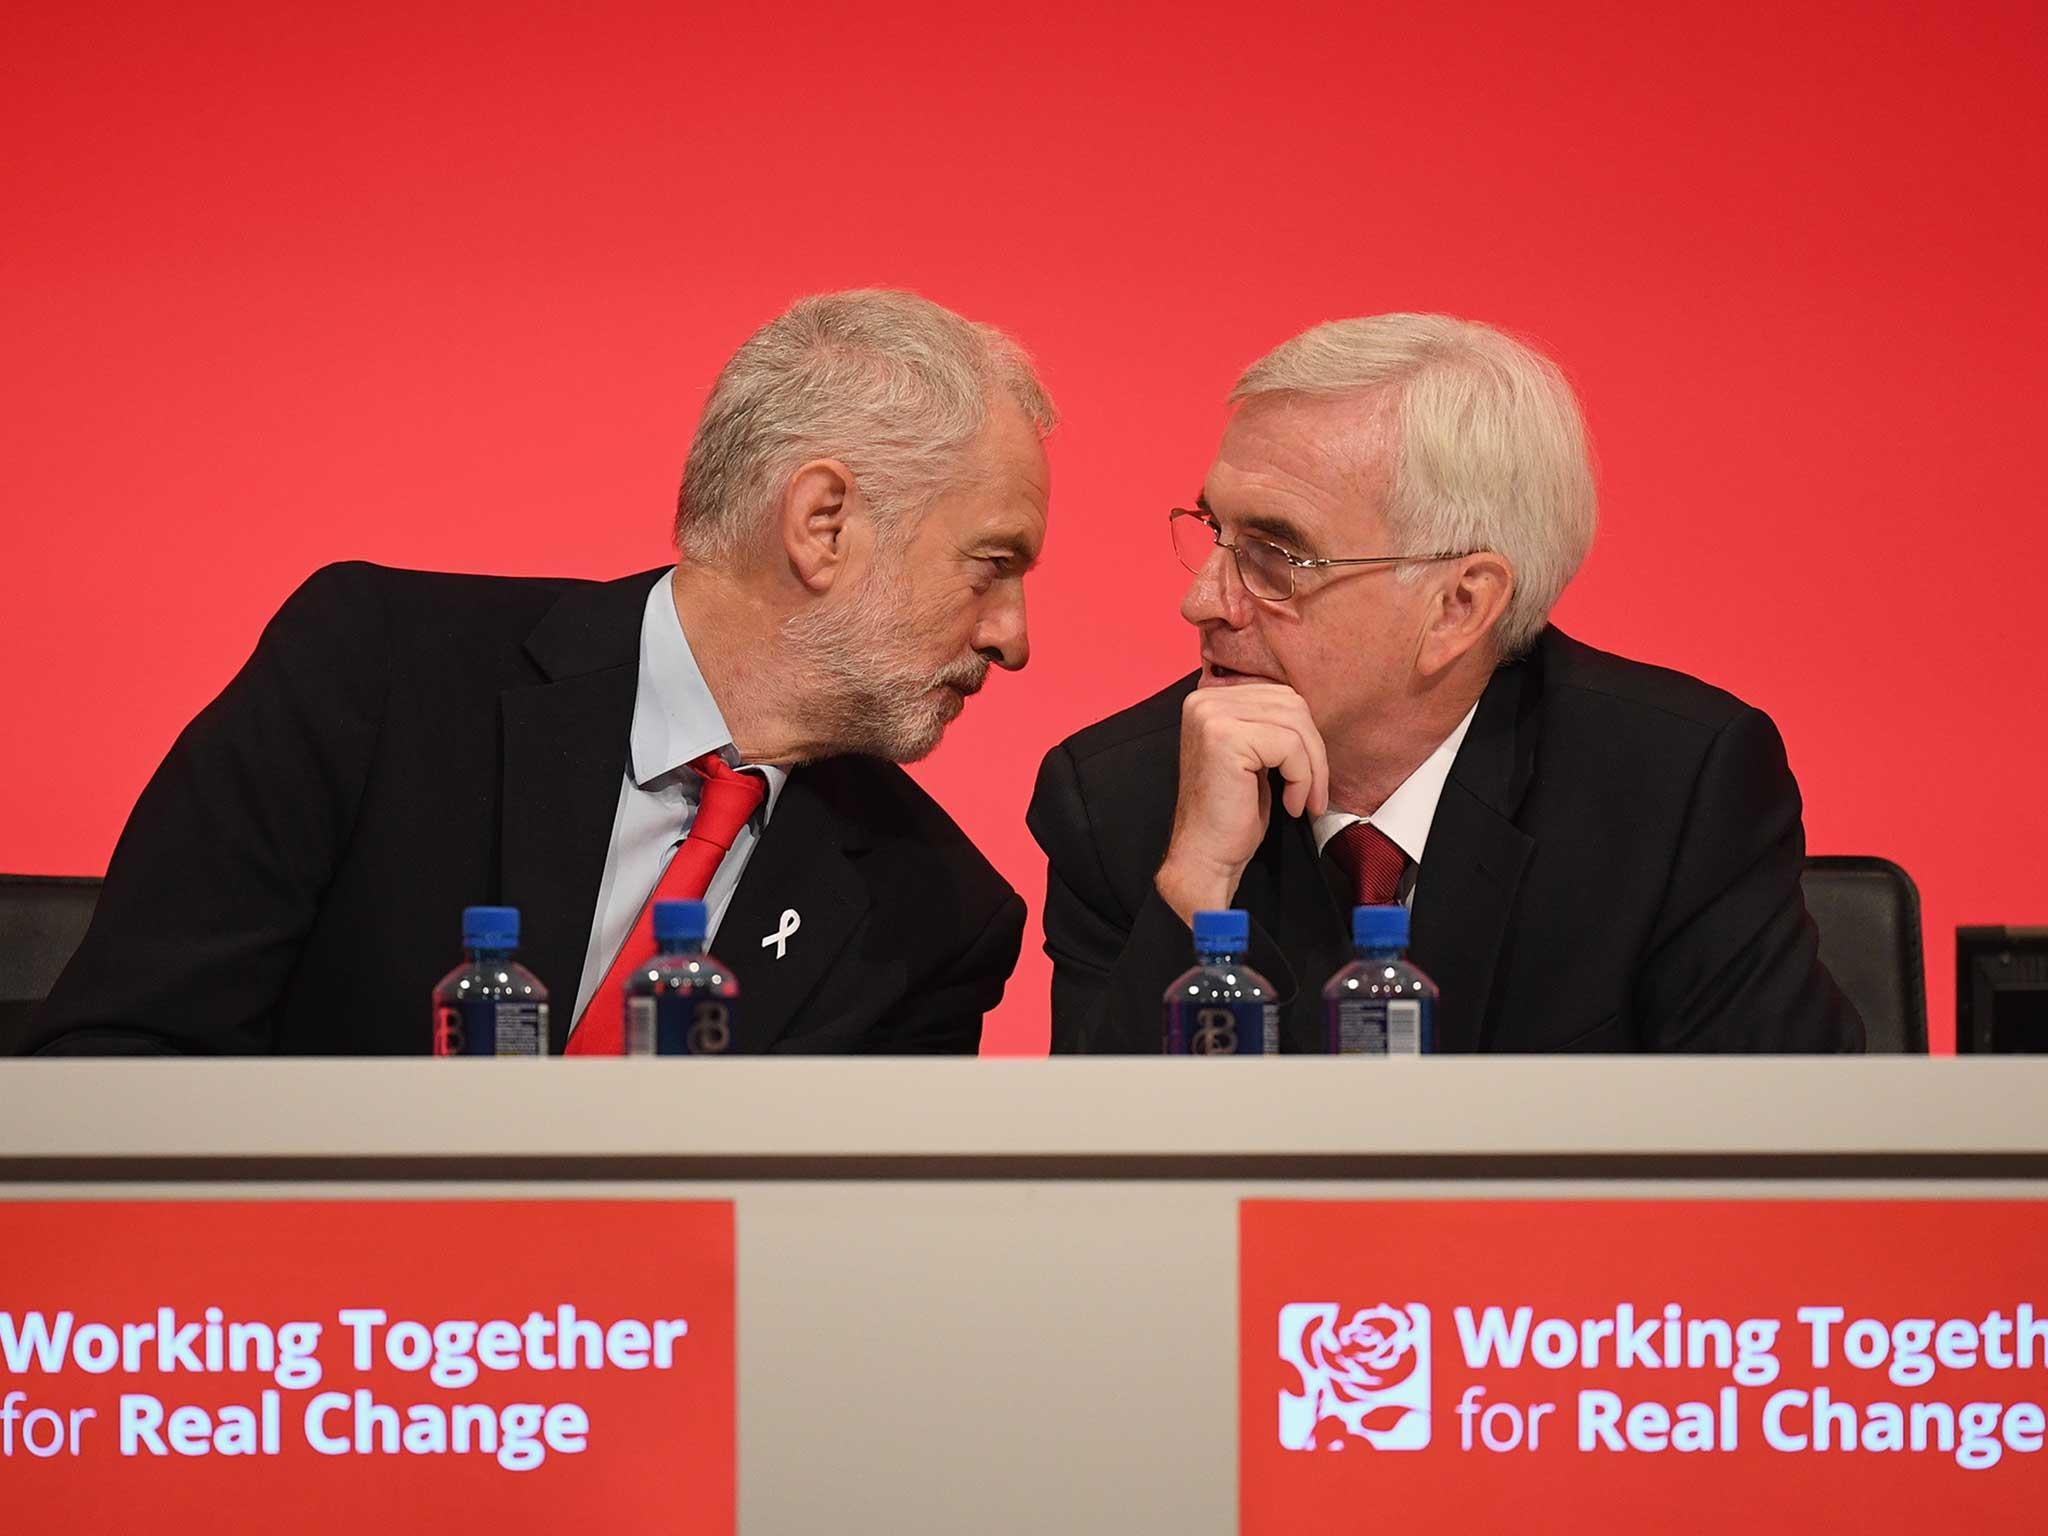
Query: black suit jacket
{"points": [[1614, 866], [406, 743]]}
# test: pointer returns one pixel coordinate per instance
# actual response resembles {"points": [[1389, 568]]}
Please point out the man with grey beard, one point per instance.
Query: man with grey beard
{"points": [[865, 491]]}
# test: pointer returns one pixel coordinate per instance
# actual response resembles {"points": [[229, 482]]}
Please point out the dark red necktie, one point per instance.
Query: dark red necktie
{"points": [[729, 798], [1372, 861]]}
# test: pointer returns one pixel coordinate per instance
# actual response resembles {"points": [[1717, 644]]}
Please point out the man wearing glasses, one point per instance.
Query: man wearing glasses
{"points": [[1599, 855]]}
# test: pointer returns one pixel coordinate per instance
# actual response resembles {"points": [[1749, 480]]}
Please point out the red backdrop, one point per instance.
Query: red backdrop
{"points": [[444, 286]]}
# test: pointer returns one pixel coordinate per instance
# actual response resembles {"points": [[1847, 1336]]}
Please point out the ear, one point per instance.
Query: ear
{"points": [[1466, 610], [820, 514]]}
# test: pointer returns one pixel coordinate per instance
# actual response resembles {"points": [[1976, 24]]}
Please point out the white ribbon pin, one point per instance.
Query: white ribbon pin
{"points": [[781, 936]]}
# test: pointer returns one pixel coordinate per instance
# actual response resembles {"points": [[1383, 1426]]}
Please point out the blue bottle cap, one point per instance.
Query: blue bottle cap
{"points": [[1379, 927], [680, 922], [490, 927], [1222, 933]]}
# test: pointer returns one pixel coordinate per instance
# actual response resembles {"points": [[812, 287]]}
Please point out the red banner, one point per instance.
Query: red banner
{"points": [[1755, 1367], [322, 1368]]}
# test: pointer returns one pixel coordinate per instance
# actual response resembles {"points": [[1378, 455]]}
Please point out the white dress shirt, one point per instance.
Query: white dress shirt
{"points": [[1405, 815], [675, 719]]}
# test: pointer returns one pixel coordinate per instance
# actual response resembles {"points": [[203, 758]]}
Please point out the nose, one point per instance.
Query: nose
{"points": [[1217, 593], [1002, 634]]}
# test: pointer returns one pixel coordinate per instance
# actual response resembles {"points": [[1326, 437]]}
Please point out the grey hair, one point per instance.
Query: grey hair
{"points": [[1490, 451], [888, 383]]}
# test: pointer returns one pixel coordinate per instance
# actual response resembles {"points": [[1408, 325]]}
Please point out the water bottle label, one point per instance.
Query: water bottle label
{"points": [[680, 1025], [1216, 1032], [491, 1027], [1377, 1026], [1223, 1029], [639, 1026], [1404, 1028], [1361, 1027]]}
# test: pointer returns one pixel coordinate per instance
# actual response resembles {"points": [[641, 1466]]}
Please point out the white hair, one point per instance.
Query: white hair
{"points": [[1489, 449], [890, 384]]}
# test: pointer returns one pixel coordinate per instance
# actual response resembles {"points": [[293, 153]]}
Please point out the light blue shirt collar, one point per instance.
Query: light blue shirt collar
{"points": [[675, 718]]}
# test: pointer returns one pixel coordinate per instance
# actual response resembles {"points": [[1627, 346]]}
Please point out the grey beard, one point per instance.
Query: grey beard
{"points": [[859, 692]]}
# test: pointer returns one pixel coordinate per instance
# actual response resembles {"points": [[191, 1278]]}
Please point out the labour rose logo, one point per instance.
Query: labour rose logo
{"points": [[1364, 1377]]}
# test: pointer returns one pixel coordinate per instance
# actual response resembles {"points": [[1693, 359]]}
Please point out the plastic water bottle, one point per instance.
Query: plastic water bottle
{"points": [[683, 1002], [1380, 1004], [1222, 1007], [490, 1005]]}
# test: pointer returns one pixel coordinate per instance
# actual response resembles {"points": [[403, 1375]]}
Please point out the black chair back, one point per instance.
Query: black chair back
{"points": [[42, 918], [1868, 913], [1867, 910]]}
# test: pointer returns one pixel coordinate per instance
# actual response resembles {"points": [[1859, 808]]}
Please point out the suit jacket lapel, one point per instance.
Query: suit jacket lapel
{"points": [[804, 863], [1472, 866], [566, 745], [1464, 896]]}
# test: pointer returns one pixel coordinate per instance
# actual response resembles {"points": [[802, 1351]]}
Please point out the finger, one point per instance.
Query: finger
{"points": [[1295, 798], [1287, 709], [1273, 704], [1282, 747], [1298, 769], [1242, 698], [1318, 800], [1294, 715]]}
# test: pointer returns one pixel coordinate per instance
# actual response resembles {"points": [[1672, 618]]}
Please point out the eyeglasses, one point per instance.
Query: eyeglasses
{"points": [[1266, 570]]}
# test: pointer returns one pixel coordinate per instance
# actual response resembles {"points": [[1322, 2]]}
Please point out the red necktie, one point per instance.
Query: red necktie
{"points": [[729, 798], [1373, 862]]}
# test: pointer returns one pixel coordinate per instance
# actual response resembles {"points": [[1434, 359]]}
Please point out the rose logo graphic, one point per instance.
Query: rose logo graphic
{"points": [[1364, 1377]]}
